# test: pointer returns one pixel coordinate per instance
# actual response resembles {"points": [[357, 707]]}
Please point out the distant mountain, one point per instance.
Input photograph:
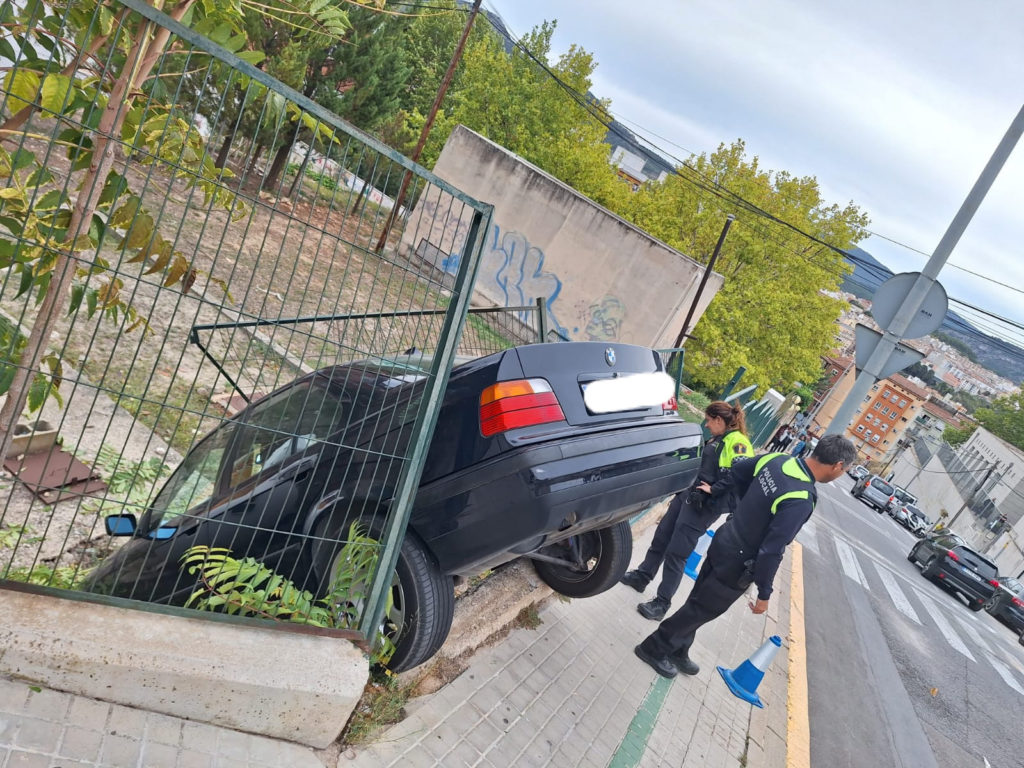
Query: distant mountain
{"points": [[998, 355]]}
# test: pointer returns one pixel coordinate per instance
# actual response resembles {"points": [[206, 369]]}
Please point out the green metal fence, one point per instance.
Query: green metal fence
{"points": [[164, 205]]}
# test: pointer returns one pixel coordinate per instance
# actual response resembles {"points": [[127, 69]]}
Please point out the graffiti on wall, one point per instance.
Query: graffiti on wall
{"points": [[602, 320], [512, 270]]}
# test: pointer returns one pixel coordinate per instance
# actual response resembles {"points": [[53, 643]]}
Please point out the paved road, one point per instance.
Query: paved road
{"points": [[900, 673]]}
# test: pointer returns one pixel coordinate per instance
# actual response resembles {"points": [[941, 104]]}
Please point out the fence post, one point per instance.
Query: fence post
{"points": [[542, 320]]}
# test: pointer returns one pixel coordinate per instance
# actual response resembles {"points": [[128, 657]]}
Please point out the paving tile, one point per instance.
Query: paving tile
{"points": [[188, 758], [119, 750], [45, 704], [21, 759], [38, 735], [80, 743], [163, 729], [155, 755], [88, 713]]}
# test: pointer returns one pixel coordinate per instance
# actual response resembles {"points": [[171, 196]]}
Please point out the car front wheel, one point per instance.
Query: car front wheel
{"points": [[590, 563], [421, 604]]}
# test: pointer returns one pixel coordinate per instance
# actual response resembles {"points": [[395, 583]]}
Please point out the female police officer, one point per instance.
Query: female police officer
{"points": [[689, 514]]}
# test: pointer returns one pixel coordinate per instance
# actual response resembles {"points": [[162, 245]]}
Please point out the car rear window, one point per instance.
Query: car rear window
{"points": [[914, 510], [882, 486], [904, 495], [977, 562]]}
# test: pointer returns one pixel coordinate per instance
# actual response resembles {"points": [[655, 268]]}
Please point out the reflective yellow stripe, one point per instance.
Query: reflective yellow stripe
{"points": [[728, 454], [765, 459], [793, 469], [790, 495]]}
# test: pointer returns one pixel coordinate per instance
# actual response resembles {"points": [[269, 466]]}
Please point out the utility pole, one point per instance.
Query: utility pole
{"points": [[915, 299], [441, 91]]}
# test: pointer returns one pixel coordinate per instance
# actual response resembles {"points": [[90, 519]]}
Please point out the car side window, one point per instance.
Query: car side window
{"points": [[282, 426], [194, 481]]}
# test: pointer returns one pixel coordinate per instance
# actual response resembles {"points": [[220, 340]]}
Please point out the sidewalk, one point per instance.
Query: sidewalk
{"points": [[569, 693]]}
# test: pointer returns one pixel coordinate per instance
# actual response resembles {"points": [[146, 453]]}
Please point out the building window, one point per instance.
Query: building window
{"points": [[860, 427], [903, 403], [877, 405], [874, 438], [835, 371], [867, 433], [885, 427], [886, 394], [894, 397], [877, 422]]}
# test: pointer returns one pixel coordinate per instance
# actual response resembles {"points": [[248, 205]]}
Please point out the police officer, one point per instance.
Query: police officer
{"points": [[689, 515], [777, 496]]}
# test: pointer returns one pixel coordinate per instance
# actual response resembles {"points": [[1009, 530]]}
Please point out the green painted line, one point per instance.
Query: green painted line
{"points": [[635, 741]]}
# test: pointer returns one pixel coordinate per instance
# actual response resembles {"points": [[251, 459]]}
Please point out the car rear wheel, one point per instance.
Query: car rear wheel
{"points": [[975, 605], [992, 604], [593, 561], [931, 567], [912, 555], [422, 601]]}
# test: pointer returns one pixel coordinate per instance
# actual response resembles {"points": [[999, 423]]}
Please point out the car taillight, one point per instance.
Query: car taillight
{"points": [[521, 403], [993, 582], [953, 555], [670, 405], [1018, 602]]}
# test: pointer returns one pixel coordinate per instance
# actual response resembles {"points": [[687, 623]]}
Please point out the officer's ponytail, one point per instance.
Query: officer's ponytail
{"points": [[732, 415]]}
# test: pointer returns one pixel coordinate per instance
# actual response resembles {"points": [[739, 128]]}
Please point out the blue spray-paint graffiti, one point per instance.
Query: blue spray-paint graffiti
{"points": [[513, 269], [604, 319]]}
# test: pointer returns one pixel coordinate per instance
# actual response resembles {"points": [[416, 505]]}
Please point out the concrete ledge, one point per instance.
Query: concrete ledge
{"points": [[300, 687]]}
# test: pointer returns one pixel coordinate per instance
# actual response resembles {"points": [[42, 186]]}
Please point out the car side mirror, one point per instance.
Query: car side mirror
{"points": [[121, 525]]}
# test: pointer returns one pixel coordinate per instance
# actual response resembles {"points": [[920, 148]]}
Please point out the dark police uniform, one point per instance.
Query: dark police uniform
{"points": [[689, 514], [776, 497]]}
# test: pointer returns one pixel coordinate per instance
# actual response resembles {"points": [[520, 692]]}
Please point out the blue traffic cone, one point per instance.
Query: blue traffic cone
{"points": [[693, 561], [743, 680]]}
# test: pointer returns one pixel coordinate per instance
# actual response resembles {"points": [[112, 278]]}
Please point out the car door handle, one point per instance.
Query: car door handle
{"points": [[298, 470]]}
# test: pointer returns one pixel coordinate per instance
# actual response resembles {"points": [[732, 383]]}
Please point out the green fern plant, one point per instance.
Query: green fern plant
{"points": [[247, 587], [131, 482]]}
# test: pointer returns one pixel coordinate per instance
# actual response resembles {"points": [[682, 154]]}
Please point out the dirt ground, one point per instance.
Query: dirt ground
{"points": [[152, 391]]}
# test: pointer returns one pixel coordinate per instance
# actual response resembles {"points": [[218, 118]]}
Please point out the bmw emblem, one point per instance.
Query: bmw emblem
{"points": [[609, 356]]}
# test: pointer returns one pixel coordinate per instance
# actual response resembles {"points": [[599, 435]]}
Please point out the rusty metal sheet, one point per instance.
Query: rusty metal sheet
{"points": [[54, 475]]}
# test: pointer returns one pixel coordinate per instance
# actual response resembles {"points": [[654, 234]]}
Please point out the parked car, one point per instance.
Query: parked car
{"points": [[857, 471], [541, 451], [1007, 603], [900, 496], [919, 521], [949, 562], [873, 491], [902, 514]]}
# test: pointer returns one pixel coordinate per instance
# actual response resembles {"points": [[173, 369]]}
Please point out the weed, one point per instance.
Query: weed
{"points": [[132, 482], [528, 618], [64, 577], [382, 704]]}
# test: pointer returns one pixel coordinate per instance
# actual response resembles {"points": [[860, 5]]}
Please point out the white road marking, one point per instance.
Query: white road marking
{"points": [[808, 536], [1006, 674], [850, 565], [944, 626], [973, 634], [895, 593]]}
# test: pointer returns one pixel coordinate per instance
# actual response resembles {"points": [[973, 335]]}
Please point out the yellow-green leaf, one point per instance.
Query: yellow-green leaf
{"points": [[22, 86], [55, 94]]}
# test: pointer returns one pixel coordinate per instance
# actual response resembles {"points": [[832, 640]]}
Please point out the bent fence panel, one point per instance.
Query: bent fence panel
{"points": [[167, 213]]}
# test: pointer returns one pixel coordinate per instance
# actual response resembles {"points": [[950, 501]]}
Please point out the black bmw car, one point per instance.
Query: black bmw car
{"points": [[541, 451]]}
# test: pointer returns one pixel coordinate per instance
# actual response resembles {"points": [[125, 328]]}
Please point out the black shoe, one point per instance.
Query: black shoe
{"points": [[662, 666], [654, 610], [635, 579], [684, 664]]}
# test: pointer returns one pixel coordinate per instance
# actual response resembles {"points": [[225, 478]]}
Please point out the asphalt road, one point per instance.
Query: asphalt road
{"points": [[900, 673]]}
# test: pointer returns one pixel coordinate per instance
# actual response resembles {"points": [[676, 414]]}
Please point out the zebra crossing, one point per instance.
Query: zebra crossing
{"points": [[964, 634]]}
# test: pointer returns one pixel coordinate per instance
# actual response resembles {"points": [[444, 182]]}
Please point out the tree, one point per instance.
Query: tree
{"points": [[771, 315], [957, 437], [1005, 419], [512, 100], [93, 89]]}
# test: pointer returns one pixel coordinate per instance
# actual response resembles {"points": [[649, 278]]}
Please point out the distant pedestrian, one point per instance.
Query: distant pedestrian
{"points": [[689, 514], [777, 496], [798, 446], [779, 440]]}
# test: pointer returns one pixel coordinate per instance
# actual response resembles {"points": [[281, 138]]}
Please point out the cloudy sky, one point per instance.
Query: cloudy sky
{"points": [[896, 106]]}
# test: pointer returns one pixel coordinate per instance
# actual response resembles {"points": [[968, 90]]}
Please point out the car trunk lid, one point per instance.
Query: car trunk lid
{"points": [[625, 389]]}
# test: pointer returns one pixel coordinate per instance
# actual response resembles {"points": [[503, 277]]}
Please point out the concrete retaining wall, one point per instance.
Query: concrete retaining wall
{"points": [[300, 687], [602, 278]]}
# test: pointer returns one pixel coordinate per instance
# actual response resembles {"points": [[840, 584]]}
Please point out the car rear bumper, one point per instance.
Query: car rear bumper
{"points": [[950, 576], [533, 495]]}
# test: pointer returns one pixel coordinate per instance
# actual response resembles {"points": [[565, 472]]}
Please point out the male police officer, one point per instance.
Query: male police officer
{"points": [[777, 496]]}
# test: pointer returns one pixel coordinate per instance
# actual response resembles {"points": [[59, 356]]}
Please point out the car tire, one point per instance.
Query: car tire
{"points": [[992, 605], [607, 552], [975, 606], [930, 567], [912, 555], [422, 598]]}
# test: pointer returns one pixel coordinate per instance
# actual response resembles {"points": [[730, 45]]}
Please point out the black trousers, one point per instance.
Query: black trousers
{"points": [[674, 540], [722, 580]]}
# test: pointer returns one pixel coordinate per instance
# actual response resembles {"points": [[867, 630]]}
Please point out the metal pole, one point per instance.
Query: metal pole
{"points": [[704, 280], [441, 91], [992, 467], [908, 311]]}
